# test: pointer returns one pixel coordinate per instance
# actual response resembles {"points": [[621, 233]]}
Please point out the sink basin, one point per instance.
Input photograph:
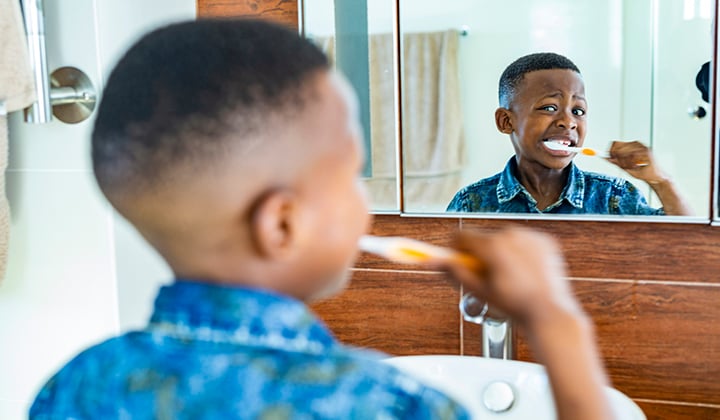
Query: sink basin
{"points": [[494, 388]]}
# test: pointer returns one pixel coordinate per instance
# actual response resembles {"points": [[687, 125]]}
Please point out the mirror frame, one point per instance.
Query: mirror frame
{"points": [[715, 95], [713, 214]]}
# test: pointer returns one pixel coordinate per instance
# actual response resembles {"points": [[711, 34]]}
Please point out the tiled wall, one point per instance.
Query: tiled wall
{"points": [[64, 289]]}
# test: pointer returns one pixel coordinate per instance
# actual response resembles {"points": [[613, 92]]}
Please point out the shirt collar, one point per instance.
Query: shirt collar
{"points": [[194, 310], [509, 187], [574, 192]]}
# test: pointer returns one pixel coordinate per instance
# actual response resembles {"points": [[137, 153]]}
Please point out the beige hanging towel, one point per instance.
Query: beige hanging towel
{"points": [[433, 138], [17, 91]]}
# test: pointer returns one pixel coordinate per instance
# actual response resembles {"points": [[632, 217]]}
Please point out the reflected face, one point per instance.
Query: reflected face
{"points": [[549, 106]]}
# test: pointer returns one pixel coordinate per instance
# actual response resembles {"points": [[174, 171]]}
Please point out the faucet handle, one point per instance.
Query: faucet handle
{"points": [[473, 308], [477, 311]]}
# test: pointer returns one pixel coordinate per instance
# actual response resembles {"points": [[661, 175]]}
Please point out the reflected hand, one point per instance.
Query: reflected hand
{"points": [[637, 160]]}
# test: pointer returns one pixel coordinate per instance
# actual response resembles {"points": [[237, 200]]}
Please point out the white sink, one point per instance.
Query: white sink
{"points": [[493, 388]]}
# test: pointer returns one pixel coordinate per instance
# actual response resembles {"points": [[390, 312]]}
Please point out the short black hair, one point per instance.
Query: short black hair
{"points": [[182, 91], [514, 73]]}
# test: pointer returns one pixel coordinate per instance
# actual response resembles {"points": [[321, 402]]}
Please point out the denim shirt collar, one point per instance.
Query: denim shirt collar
{"points": [[509, 187], [209, 312]]}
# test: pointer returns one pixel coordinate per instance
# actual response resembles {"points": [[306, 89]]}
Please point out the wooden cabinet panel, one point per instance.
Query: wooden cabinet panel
{"points": [[400, 313], [280, 11], [659, 341], [652, 290], [628, 250], [667, 411], [436, 231]]}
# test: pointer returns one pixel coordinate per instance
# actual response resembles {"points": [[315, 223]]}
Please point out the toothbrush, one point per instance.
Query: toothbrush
{"points": [[582, 150], [411, 251], [586, 151]]}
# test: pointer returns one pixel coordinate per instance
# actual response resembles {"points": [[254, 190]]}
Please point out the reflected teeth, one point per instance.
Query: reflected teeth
{"points": [[552, 145]]}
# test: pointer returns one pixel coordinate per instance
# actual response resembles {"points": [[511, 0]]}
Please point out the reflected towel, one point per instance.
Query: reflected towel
{"points": [[382, 185], [432, 114], [433, 140], [17, 91]]}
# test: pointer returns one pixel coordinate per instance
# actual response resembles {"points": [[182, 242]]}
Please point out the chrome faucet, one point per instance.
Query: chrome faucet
{"points": [[497, 333]]}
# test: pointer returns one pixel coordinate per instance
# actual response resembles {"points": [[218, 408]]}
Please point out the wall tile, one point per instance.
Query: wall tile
{"points": [[437, 231], [401, 313], [59, 293]]}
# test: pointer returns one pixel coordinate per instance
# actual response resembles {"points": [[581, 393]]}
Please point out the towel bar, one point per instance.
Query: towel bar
{"points": [[67, 93]]}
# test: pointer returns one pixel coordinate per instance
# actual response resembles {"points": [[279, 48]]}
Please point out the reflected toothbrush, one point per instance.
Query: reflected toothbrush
{"points": [[411, 251], [587, 151]]}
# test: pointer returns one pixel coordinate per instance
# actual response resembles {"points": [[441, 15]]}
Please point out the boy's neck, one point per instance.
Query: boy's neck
{"points": [[543, 183]]}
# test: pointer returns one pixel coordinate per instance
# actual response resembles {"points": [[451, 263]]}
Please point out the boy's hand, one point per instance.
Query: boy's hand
{"points": [[637, 160], [523, 273]]}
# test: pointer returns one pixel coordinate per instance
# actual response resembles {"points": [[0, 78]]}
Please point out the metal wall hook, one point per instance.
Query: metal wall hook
{"points": [[72, 95], [67, 93], [697, 113]]}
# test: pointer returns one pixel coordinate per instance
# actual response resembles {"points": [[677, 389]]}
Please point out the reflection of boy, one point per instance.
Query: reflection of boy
{"points": [[235, 152], [542, 99]]}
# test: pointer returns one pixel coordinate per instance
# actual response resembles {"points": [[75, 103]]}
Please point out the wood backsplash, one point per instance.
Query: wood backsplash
{"points": [[281, 11], [652, 290]]}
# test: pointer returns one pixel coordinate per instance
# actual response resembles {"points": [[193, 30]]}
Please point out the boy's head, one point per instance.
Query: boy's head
{"points": [[516, 71], [542, 98], [234, 150]]}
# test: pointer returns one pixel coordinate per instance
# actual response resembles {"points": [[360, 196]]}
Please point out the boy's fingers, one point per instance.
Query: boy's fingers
{"points": [[469, 279]]}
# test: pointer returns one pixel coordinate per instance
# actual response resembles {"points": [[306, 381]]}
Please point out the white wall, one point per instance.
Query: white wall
{"points": [[73, 276], [681, 142]]}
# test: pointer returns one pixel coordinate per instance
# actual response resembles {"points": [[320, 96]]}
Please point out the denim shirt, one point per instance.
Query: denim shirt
{"points": [[584, 193], [215, 352]]}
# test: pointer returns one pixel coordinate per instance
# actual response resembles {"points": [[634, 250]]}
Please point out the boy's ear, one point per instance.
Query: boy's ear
{"points": [[503, 120], [273, 226]]}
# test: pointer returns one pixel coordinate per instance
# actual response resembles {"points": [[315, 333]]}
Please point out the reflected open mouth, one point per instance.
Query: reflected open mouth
{"points": [[563, 141]]}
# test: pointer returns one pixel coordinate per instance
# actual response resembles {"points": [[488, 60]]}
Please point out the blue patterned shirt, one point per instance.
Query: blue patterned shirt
{"points": [[215, 352], [584, 193]]}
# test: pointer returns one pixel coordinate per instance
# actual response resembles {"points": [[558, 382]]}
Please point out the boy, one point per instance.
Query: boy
{"points": [[542, 100], [234, 150]]}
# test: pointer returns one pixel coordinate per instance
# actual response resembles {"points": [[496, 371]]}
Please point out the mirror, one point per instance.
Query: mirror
{"points": [[639, 60], [358, 37]]}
